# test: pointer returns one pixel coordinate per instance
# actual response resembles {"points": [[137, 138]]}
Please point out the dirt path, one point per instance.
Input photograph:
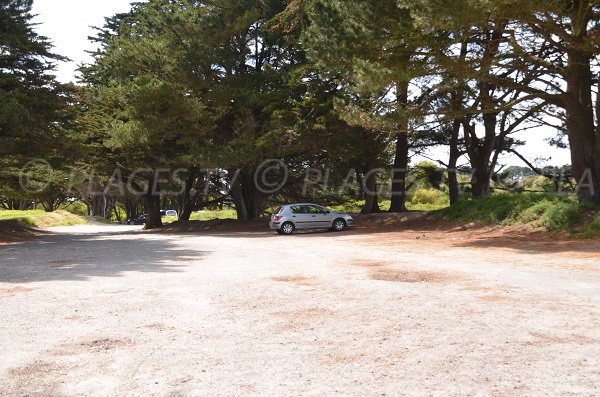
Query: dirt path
{"points": [[113, 311]]}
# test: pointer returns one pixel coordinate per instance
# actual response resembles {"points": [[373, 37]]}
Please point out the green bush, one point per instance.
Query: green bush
{"points": [[429, 196], [496, 208], [595, 224], [75, 208], [550, 212]]}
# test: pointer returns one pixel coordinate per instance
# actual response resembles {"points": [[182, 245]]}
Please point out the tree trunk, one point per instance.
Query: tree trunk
{"points": [[187, 201], [369, 187], [130, 207], [186, 213], [94, 204], [18, 204], [480, 153], [398, 200], [250, 195], [584, 138], [452, 163], [480, 182], [152, 205], [457, 106], [238, 196]]}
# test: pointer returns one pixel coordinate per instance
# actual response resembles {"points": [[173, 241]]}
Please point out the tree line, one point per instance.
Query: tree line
{"points": [[215, 88]]}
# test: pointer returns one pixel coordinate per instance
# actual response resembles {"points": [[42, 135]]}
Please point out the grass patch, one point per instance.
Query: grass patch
{"points": [[101, 219], [352, 207], [212, 214], [439, 202], [549, 212], [75, 207], [425, 206], [41, 219], [169, 219]]}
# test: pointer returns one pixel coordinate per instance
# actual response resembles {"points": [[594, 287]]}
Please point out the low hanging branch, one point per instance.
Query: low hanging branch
{"points": [[533, 167]]}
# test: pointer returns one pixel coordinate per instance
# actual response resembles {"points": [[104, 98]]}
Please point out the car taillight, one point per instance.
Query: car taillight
{"points": [[277, 217]]}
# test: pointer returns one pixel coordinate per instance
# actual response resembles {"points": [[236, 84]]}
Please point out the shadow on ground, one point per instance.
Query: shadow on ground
{"points": [[81, 256]]}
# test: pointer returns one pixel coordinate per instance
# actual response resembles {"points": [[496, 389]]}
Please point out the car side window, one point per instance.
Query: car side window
{"points": [[296, 209], [311, 209]]}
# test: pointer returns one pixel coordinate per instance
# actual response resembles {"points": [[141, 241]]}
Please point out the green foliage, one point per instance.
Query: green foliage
{"points": [[595, 224], [552, 214], [213, 214], [40, 218], [549, 212], [355, 206], [75, 208], [430, 196], [426, 207], [35, 111], [329, 84], [350, 206], [426, 175]]}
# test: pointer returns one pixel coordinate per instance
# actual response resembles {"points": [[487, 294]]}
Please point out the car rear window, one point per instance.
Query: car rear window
{"points": [[278, 210]]}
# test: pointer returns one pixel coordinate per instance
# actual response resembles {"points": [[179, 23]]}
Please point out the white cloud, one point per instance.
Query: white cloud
{"points": [[68, 23]]}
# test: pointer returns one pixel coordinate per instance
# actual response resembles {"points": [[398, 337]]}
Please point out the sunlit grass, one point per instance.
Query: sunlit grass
{"points": [[41, 219], [551, 212], [213, 214]]}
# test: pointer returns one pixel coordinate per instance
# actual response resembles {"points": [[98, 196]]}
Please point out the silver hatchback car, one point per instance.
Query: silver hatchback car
{"points": [[288, 218]]}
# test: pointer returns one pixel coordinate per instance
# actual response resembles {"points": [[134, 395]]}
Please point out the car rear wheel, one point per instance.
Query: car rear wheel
{"points": [[338, 225], [287, 228]]}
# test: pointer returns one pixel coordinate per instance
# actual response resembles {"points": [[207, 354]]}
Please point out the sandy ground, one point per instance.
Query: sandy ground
{"points": [[111, 310]]}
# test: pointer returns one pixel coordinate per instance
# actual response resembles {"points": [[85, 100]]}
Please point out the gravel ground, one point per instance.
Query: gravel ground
{"points": [[111, 310]]}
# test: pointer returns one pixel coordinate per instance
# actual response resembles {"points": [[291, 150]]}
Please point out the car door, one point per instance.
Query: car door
{"points": [[300, 216], [328, 217], [319, 217]]}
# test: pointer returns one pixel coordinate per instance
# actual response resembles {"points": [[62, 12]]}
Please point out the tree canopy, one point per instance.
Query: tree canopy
{"points": [[340, 94]]}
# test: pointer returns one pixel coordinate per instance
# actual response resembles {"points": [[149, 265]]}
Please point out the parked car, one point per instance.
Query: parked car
{"points": [[291, 217], [171, 213], [140, 220]]}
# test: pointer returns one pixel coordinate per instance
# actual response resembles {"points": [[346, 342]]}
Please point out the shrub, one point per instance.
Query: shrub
{"points": [[550, 212], [595, 224], [560, 215], [75, 208], [429, 196], [496, 208]]}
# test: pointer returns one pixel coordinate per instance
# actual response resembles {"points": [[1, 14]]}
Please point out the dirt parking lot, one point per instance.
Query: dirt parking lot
{"points": [[111, 310]]}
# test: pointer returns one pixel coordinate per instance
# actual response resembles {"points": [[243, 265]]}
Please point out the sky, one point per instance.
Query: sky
{"points": [[68, 24]]}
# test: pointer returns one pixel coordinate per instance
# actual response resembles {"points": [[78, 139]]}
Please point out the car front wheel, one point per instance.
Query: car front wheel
{"points": [[339, 225], [287, 228]]}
